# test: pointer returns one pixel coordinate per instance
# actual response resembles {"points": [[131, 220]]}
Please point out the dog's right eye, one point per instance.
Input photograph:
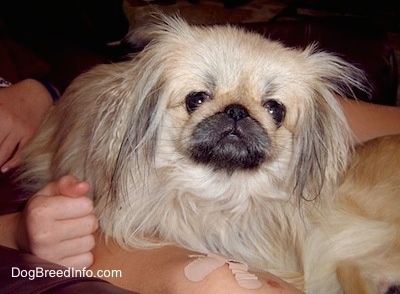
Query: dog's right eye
{"points": [[195, 99]]}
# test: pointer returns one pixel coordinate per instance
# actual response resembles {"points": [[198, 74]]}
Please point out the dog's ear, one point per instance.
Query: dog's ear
{"points": [[137, 149], [325, 143], [324, 137], [132, 137]]}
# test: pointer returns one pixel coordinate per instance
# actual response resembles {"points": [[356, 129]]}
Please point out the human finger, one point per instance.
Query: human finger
{"points": [[80, 261], [12, 162], [7, 147], [76, 228], [54, 251], [67, 185], [72, 186], [58, 208], [77, 246], [23, 140]]}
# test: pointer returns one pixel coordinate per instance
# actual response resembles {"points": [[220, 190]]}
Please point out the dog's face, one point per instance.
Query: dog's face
{"points": [[238, 103], [227, 112], [232, 114]]}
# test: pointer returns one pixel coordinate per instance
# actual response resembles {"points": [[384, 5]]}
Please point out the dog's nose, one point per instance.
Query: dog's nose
{"points": [[236, 111]]}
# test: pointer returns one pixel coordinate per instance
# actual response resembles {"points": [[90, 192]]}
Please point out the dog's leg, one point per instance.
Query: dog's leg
{"points": [[371, 191]]}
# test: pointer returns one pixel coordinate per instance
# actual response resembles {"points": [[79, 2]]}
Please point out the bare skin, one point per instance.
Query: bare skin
{"points": [[22, 109], [369, 121], [161, 270]]}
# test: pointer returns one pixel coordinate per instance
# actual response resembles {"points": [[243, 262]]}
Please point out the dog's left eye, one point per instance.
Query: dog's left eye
{"points": [[276, 109], [195, 99]]}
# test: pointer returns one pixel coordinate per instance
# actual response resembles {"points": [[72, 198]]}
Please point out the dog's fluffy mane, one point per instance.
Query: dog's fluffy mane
{"points": [[109, 126]]}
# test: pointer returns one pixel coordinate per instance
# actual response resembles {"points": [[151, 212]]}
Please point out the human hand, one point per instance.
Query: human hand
{"points": [[58, 224], [22, 108]]}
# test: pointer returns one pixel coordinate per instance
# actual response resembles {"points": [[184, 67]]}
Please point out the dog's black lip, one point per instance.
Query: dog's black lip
{"points": [[232, 133], [232, 138]]}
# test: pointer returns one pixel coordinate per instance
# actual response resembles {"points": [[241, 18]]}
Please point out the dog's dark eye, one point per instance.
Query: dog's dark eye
{"points": [[276, 109], [195, 99]]}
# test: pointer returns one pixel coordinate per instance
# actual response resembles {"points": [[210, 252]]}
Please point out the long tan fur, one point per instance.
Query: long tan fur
{"points": [[125, 128]]}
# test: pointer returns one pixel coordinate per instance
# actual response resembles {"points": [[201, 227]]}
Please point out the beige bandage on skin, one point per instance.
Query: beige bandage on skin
{"points": [[204, 265]]}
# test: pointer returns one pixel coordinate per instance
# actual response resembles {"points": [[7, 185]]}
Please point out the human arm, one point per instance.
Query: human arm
{"points": [[22, 108], [369, 121], [57, 224], [138, 267]]}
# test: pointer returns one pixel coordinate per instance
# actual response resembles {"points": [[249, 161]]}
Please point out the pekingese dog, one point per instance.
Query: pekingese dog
{"points": [[220, 140]]}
